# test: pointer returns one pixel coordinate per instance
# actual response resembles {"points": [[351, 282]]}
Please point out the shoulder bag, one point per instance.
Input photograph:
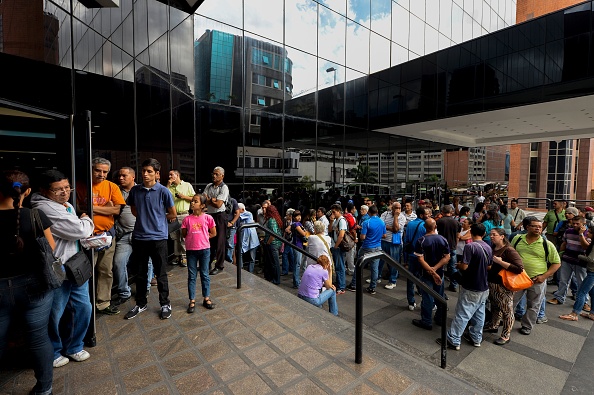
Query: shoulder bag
{"points": [[347, 242], [409, 248], [79, 268], [53, 273], [515, 282]]}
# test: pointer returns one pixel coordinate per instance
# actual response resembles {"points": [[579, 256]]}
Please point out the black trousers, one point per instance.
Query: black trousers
{"points": [[218, 244], [157, 251]]}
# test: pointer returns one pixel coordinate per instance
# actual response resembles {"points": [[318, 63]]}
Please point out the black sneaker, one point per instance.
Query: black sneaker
{"points": [[135, 311], [466, 336], [120, 300], [370, 291], [449, 344], [165, 311], [351, 288], [109, 310]]}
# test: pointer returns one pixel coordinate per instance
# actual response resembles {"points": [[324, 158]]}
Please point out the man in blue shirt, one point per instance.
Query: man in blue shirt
{"points": [[432, 252], [371, 233], [414, 231], [152, 205]]}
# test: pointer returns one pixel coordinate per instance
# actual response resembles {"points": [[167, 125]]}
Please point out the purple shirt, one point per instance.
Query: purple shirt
{"points": [[312, 281]]}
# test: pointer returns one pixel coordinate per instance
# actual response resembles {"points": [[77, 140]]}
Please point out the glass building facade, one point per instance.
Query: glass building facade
{"points": [[272, 91]]}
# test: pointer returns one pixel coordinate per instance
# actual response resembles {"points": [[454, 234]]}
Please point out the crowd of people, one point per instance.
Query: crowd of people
{"points": [[468, 248]]}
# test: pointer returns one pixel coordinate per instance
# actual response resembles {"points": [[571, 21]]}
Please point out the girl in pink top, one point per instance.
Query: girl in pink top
{"points": [[197, 229]]}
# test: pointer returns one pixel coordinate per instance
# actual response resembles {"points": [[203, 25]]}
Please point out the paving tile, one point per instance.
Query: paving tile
{"points": [[334, 377], [310, 331], [135, 358], [261, 354], [124, 345], [168, 347], [195, 382], [364, 389], [244, 339], [214, 351], [256, 319], [228, 327], [391, 381], [181, 363], [203, 336], [160, 390], [252, 384], [288, 343], [305, 386], [365, 366], [230, 368], [309, 358], [217, 315], [270, 329], [291, 320], [422, 390], [105, 387], [241, 309], [281, 372], [142, 378], [333, 345], [192, 321]]}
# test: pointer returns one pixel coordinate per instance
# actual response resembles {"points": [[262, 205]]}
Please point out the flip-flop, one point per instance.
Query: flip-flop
{"points": [[589, 316], [569, 317]]}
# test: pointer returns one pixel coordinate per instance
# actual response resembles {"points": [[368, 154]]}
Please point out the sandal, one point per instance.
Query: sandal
{"points": [[569, 317], [191, 306], [207, 303], [589, 316]]}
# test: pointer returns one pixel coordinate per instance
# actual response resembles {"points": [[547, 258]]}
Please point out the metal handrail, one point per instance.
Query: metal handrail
{"points": [[359, 301], [239, 256]]}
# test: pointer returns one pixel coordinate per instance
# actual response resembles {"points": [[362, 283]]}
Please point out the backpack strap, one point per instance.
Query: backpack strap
{"points": [[544, 244]]}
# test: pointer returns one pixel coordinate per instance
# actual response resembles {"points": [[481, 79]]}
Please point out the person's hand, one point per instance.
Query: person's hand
{"points": [[497, 259], [539, 279], [83, 215]]}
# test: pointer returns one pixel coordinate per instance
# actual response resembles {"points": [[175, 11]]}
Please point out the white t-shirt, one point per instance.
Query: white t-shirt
{"points": [[338, 225], [461, 243]]}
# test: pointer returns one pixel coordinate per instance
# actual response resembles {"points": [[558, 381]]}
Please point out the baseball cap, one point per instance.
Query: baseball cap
{"points": [[421, 202], [290, 211], [588, 209]]}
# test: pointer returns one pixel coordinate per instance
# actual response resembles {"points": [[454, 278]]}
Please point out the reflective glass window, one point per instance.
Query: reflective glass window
{"points": [[357, 47], [331, 36], [381, 17], [400, 26], [301, 24]]}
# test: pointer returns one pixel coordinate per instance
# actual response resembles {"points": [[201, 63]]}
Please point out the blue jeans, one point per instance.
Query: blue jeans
{"points": [[230, 244], [328, 295], [521, 307], [120, 265], [198, 259], [428, 302], [567, 272], [394, 251], [288, 260], [413, 267], [20, 298], [297, 268], [249, 258], [470, 308], [587, 287], [338, 258], [452, 269], [373, 266], [72, 305]]}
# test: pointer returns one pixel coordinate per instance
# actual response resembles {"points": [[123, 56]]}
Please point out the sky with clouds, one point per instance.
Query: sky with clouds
{"points": [[344, 33]]}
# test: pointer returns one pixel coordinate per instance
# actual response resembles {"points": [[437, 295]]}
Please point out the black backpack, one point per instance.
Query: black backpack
{"points": [[545, 245]]}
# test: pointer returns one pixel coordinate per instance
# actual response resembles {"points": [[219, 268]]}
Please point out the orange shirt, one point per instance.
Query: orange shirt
{"points": [[104, 192]]}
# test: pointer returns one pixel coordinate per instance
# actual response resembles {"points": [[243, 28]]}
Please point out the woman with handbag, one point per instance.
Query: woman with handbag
{"points": [[23, 294], [501, 298], [71, 304]]}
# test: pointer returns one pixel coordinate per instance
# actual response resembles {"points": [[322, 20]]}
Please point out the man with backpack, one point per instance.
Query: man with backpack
{"points": [[541, 260]]}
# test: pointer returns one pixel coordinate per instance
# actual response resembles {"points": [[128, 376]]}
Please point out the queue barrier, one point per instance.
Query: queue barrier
{"points": [[402, 271]]}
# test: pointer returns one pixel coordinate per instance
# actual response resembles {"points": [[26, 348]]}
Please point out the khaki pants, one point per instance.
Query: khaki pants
{"points": [[104, 265]]}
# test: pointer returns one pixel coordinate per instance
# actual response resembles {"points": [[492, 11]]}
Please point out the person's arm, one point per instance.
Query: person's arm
{"points": [[184, 232], [235, 218], [341, 235], [50, 238], [300, 230], [466, 236], [171, 214], [430, 270], [212, 232], [512, 262], [582, 237], [108, 209]]}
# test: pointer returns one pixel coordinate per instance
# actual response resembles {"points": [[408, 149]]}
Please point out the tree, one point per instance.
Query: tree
{"points": [[306, 182], [364, 174]]}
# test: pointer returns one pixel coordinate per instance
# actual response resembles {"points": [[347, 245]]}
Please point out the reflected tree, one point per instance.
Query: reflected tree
{"points": [[364, 174]]}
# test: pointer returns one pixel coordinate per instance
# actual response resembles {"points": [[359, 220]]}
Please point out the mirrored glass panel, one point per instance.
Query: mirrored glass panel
{"points": [[331, 36], [301, 25], [357, 47], [381, 17]]}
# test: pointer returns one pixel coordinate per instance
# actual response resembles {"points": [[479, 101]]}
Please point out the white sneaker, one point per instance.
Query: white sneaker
{"points": [[411, 307], [434, 308], [80, 356], [389, 286], [60, 361], [379, 281]]}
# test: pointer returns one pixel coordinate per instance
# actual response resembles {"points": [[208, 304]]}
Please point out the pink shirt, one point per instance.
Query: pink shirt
{"points": [[197, 226]]}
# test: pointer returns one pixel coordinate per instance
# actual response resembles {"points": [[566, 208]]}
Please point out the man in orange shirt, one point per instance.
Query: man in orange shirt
{"points": [[107, 202]]}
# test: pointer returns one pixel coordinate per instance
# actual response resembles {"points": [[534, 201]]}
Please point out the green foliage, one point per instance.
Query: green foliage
{"points": [[364, 174]]}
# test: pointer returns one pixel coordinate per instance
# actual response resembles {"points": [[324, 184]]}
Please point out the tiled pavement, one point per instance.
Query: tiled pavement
{"points": [[262, 339]]}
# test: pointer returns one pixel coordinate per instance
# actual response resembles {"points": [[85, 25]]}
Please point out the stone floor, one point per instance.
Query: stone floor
{"points": [[259, 339]]}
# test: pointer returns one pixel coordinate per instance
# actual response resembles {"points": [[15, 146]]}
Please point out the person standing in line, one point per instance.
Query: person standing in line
{"points": [[217, 193], [197, 228], [474, 291], [152, 205], [449, 227], [71, 306], [22, 293], [182, 193]]}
